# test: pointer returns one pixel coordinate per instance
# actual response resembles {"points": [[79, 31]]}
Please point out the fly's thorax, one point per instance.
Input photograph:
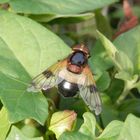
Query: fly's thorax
{"points": [[72, 77], [78, 58], [76, 62], [82, 48]]}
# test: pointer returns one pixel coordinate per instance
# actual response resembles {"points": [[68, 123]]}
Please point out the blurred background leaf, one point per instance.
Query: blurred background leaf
{"points": [[56, 6], [4, 1], [62, 19], [129, 43], [15, 133]]}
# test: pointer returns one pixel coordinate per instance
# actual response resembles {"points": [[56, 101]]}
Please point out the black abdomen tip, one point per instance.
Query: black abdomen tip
{"points": [[67, 89]]}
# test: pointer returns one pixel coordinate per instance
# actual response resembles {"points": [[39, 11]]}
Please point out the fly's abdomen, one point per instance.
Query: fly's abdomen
{"points": [[67, 89]]}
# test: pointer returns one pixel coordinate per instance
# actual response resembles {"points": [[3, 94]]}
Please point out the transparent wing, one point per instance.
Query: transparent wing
{"points": [[89, 93], [47, 79]]}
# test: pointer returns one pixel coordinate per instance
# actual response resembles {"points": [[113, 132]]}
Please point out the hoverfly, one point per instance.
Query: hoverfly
{"points": [[71, 75]]}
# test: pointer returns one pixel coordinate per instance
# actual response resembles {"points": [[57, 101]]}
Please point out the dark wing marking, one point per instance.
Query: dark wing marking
{"points": [[89, 93], [47, 79]]}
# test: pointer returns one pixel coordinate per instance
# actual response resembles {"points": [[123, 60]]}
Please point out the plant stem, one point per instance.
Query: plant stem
{"points": [[129, 84], [127, 87], [99, 128], [99, 125], [123, 95]]}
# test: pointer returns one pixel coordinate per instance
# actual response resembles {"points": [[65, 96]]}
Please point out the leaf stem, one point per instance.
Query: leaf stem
{"points": [[129, 84], [99, 125], [99, 128], [127, 87], [48, 134], [123, 95]]}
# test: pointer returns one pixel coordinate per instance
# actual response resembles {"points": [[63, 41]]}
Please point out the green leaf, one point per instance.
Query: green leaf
{"points": [[79, 122], [99, 63], [74, 136], [99, 60], [125, 63], [115, 89], [27, 49], [53, 19], [109, 113], [86, 131], [62, 121], [129, 43], [4, 123], [123, 75], [131, 128], [16, 134], [120, 59], [103, 24], [57, 6], [109, 47], [75, 104], [4, 1], [30, 130], [88, 127], [138, 85], [103, 82], [129, 106], [112, 131]]}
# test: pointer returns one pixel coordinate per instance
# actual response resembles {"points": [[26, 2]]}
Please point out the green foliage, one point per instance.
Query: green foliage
{"points": [[29, 45], [17, 134], [130, 42], [46, 11], [124, 63], [130, 129], [62, 121], [56, 7], [4, 123], [16, 70], [116, 130]]}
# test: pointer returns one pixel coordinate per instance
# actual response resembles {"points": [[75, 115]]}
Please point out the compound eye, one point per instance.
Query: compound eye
{"points": [[78, 59]]}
